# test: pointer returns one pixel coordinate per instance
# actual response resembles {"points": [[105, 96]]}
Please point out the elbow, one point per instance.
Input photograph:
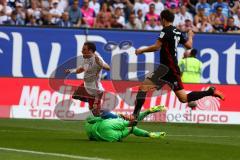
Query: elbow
{"points": [[188, 45], [108, 69], [157, 47]]}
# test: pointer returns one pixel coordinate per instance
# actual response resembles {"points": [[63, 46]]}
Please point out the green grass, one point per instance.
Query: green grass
{"points": [[203, 142]]}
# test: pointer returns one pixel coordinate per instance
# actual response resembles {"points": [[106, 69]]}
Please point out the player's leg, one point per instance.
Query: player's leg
{"points": [[141, 95], [95, 107], [140, 132], [195, 95], [151, 82], [80, 94], [143, 133], [192, 96], [160, 108]]}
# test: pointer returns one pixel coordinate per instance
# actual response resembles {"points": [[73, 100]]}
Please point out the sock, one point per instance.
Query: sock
{"points": [[140, 132], [140, 99], [142, 115], [193, 96], [107, 114]]}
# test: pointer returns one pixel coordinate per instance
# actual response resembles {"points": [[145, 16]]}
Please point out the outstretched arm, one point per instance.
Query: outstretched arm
{"points": [[77, 71], [151, 48]]}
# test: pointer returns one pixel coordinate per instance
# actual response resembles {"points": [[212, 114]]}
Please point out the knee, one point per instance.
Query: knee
{"points": [[74, 96], [144, 88], [183, 99]]}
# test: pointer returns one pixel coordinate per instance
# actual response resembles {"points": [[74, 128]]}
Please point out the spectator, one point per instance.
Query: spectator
{"points": [[75, 16], [32, 21], [133, 23], [218, 26], [109, 4], [159, 7], [118, 4], [115, 23], [148, 1], [34, 12], [153, 25], [24, 3], [65, 22], [200, 15], [141, 5], [191, 5], [5, 11], [188, 25], [206, 6], [219, 16], [223, 5], [120, 18], [47, 20], [62, 5], [3, 17], [231, 28], [170, 3], [106, 11], [125, 5], [127, 9], [102, 21], [151, 15], [88, 14], [45, 5], [14, 20], [183, 15], [191, 68], [21, 15], [237, 18], [140, 17], [95, 6], [174, 10], [55, 13], [234, 5], [204, 25]]}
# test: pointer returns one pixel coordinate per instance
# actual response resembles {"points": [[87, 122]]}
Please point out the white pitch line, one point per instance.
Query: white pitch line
{"points": [[51, 154], [203, 136]]}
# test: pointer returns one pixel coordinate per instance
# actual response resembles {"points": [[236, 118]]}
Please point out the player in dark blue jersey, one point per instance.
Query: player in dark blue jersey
{"points": [[169, 72]]}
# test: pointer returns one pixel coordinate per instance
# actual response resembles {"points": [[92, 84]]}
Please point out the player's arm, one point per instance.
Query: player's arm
{"points": [[76, 71], [101, 63], [189, 42], [151, 48]]}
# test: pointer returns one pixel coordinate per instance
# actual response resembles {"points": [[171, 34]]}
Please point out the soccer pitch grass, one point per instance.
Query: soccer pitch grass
{"points": [[66, 140]]}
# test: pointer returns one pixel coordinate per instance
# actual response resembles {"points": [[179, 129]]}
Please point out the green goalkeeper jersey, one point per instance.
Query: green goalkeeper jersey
{"points": [[106, 129]]}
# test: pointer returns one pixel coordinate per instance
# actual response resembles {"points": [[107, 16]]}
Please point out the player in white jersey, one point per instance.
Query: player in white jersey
{"points": [[91, 90]]}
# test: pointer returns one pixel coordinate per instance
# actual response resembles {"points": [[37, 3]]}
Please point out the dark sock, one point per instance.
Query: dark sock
{"points": [[140, 99], [193, 96]]}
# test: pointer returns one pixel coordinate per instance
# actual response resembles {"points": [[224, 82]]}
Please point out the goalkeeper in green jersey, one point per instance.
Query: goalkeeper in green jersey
{"points": [[116, 129]]}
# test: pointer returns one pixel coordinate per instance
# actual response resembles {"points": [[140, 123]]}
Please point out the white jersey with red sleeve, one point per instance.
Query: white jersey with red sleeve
{"points": [[92, 75]]}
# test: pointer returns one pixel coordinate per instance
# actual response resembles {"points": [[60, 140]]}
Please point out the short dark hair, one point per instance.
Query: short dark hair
{"points": [[193, 52], [230, 17], [90, 46], [167, 15]]}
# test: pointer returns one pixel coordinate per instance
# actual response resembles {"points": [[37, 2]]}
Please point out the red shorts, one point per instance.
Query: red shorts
{"points": [[93, 101]]}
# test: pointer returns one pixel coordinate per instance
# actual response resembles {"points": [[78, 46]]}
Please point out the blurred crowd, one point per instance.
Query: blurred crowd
{"points": [[198, 15]]}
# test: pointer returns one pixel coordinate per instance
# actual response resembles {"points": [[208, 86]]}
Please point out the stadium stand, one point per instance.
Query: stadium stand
{"points": [[199, 15]]}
